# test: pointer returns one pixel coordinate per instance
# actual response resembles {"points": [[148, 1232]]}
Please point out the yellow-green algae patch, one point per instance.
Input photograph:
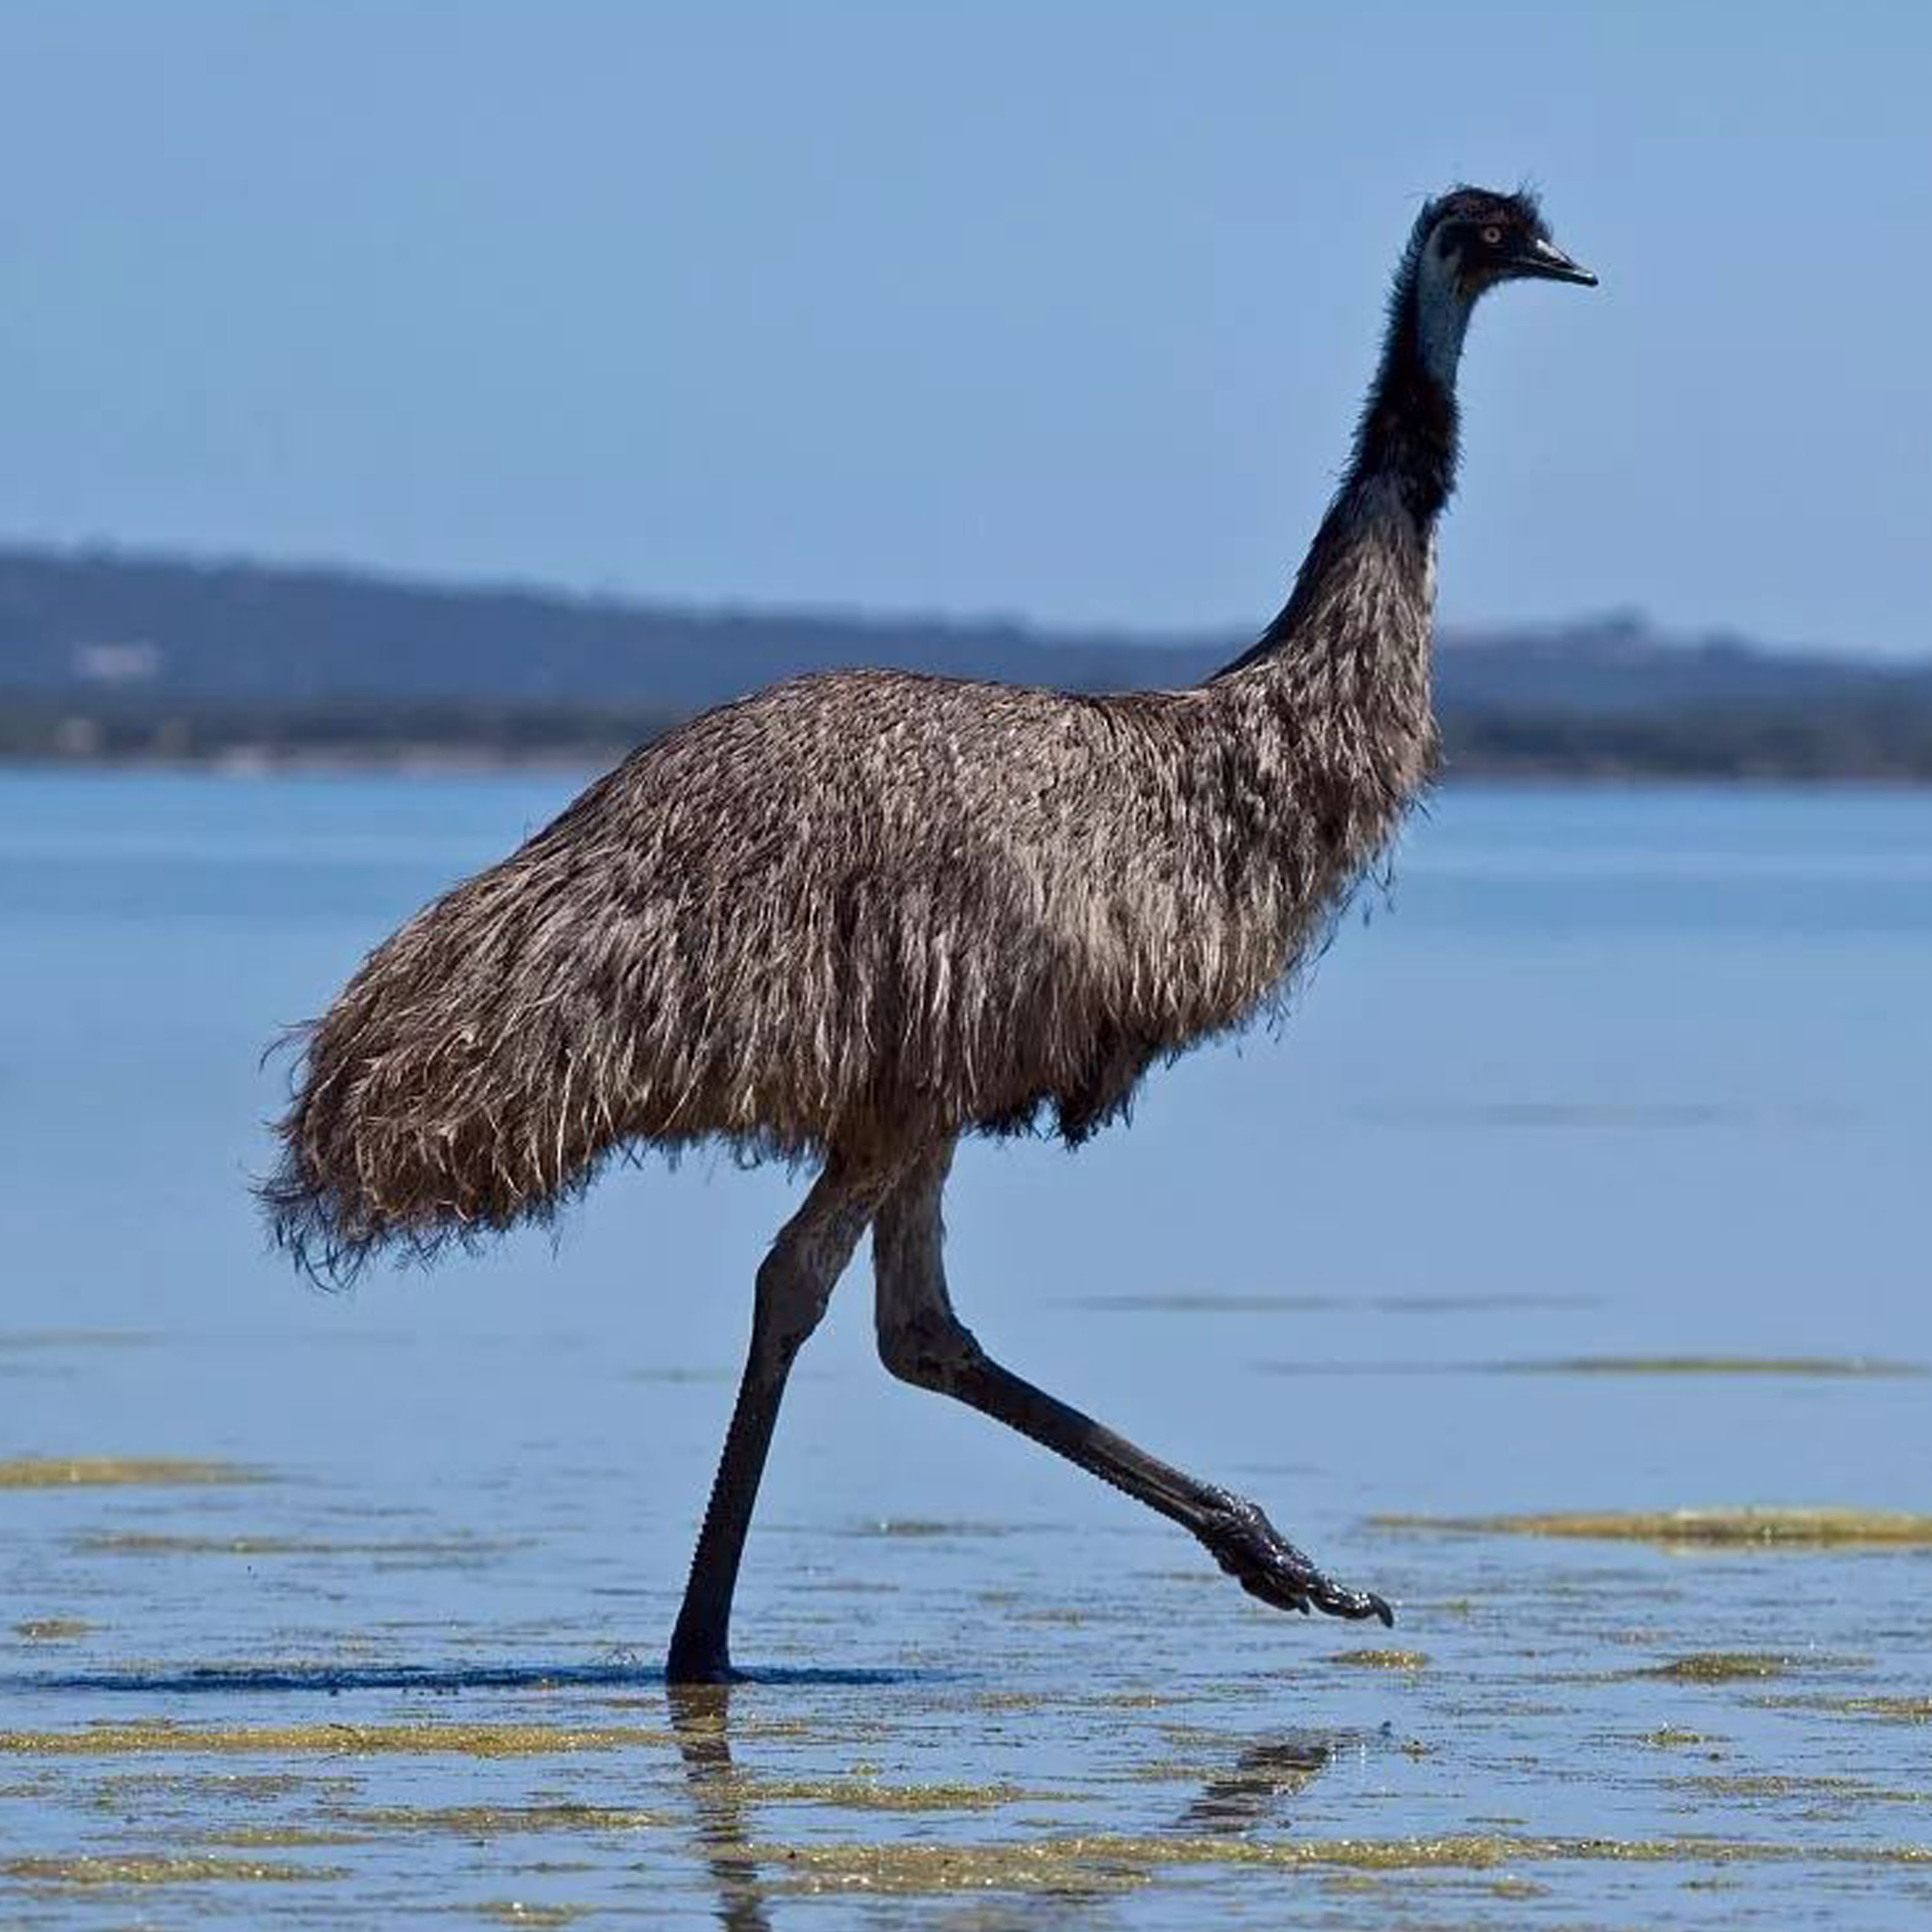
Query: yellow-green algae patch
{"points": [[865, 1794], [1672, 1737], [1719, 1666], [1517, 1888], [117, 1790], [158, 1868], [1040, 1865], [1740, 1529], [1898, 1710], [1781, 1786], [1164, 1771], [139, 1543], [51, 1629], [495, 1821], [514, 1911], [280, 1837], [1382, 1660], [1083, 1864], [71, 1472], [157, 1735]]}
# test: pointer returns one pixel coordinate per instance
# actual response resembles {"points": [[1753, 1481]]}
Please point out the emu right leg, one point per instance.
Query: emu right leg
{"points": [[795, 1281], [923, 1342]]}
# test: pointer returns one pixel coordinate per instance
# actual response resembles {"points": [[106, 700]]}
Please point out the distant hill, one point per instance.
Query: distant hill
{"points": [[108, 654], [73, 620]]}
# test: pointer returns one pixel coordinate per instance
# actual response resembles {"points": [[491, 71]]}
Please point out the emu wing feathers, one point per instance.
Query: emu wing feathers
{"points": [[856, 910]]}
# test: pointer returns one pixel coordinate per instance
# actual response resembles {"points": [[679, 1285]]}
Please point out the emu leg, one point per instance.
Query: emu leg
{"points": [[923, 1342], [795, 1281]]}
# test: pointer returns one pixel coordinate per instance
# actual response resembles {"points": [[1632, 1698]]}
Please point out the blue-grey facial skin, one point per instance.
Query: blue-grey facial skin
{"points": [[1466, 243]]}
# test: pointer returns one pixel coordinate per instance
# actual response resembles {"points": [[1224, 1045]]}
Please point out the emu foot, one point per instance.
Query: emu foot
{"points": [[680, 1671], [699, 1664], [1267, 1565]]}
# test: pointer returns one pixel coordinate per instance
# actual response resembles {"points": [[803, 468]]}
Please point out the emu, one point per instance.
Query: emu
{"points": [[850, 919]]}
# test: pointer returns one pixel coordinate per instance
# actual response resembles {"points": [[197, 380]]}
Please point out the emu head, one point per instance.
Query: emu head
{"points": [[1466, 243]]}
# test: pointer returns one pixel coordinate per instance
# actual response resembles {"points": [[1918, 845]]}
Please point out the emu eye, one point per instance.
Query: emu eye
{"points": [[1492, 236]]}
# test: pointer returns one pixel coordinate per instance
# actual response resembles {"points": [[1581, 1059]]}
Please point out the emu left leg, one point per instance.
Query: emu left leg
{"points": [[923, 1342], [795, 1281]]}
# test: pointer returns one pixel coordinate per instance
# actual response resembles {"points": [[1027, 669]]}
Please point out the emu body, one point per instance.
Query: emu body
{"points": [[854, 917]]}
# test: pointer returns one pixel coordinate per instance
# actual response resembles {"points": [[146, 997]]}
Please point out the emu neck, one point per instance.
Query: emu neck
{"points": [[1333, 700], [1407, 436], [1376, 543]]}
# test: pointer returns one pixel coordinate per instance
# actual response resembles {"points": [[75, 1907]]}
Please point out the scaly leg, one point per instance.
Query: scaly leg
{"points": [[923, 1342], [795, 1283]]}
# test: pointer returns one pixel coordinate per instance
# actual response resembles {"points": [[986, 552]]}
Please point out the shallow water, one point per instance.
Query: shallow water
{"points": [[1590, 1179]]}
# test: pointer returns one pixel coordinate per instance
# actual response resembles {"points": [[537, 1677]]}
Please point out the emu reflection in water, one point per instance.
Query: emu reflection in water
{"points": [[699, 1715], [1246, 1794], [1267, 1770]]}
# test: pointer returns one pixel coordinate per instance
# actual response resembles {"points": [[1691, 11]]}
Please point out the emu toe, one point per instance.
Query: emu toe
{"points": [[1267, 1566]]}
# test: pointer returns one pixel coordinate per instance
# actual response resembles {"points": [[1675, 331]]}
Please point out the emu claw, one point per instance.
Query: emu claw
{"points": [[1268, 1567]]}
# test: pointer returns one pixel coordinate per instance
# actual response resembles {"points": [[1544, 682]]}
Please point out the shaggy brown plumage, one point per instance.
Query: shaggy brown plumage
{"points": [[866, 909], [857, 910]]}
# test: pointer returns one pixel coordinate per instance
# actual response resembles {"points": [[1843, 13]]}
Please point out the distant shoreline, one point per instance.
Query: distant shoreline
{"points": [[112, 660], [1786, 744], [432, 761]]}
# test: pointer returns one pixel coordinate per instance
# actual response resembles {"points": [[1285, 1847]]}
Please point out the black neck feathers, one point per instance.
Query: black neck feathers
{"points": [[1407, 433], [1402, 466]]}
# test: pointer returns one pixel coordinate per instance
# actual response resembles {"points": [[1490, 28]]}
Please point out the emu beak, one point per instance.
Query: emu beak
{"points": [[1548, 262]]}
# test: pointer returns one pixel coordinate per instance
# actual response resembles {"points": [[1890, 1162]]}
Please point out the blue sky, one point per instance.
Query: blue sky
{"points": [[1060, 310]]}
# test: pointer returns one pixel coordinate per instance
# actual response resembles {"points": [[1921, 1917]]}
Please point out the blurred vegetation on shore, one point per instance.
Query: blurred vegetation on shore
{"points": [[108, 658], [1840, 744]]}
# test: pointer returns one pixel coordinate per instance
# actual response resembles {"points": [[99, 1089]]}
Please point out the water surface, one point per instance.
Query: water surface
{"points": [[1589, 1176]]}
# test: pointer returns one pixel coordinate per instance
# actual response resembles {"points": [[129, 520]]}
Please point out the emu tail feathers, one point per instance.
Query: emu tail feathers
{"points": [[450, 1093]]}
